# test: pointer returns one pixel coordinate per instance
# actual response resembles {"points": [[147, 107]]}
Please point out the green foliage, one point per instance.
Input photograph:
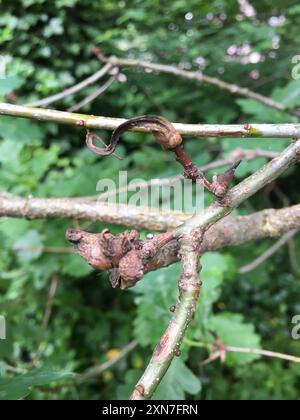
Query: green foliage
{"points": [[178, 381], [231, 329], [155, 296], [21, 385], [9, 84], [47, 46]]}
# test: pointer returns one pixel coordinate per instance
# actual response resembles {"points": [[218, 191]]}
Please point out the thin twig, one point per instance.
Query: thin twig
{"points": [[244, 154], [73, 89], [192, 130], [294, 259], [262, 352], [50, 301], [81, 209], [219, 350], [95, 371], [243, 190], [36, 360], [291, 243], [198, 77], [271, 251], [94, 95]]}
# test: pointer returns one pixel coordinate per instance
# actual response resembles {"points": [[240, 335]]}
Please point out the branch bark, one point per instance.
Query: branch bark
{"points": [[82, 209], [170, 342], [192, 130], [236, 230], [231, 231], [261, 352]]}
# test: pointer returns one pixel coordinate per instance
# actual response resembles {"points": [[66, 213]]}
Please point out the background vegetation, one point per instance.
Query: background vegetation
{"points": [[48, 46]]}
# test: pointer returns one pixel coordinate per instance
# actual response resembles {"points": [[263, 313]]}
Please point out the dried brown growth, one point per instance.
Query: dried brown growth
{"points": [[124, 254], [88, 246], [221, 183], [163, 131]]}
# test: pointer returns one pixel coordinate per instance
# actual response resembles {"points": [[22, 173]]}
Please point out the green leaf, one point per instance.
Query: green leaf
{"points": [[19, 130], [10, 83], [13, 229], [289, 95], [261, 113], [125, 390], [156, 293], [235, 332], [246, 168], [21, 385], [178, 381], [29, 247], [214, 266], [75, 266]]}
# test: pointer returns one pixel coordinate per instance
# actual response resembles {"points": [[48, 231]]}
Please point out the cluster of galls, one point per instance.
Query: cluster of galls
{"points": [[104, 251], [125, 255]]}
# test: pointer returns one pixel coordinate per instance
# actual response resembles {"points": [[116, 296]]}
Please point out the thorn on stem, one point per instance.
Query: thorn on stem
{"points": [[221, 183], [177, 352]]}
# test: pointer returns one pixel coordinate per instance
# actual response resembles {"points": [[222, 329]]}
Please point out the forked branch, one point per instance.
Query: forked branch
{"points": [[170, 341]]}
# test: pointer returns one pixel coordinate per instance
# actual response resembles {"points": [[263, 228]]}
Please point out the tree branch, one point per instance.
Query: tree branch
{"points": [[236, 230], [232, 231], [82, 209], [192, 130], [261, 352], [198, 77], [95, 371], [243, 190], [73, 89], [94, 95], [189, 235], [238, 154], [271, 251], [50, 300], [219, 350], [170, 342]]}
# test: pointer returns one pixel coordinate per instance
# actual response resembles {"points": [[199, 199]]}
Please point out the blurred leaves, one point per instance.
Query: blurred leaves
{"points": [[21, 385], [234, 332], [29, 247], [178, 382], [9, 84]]}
